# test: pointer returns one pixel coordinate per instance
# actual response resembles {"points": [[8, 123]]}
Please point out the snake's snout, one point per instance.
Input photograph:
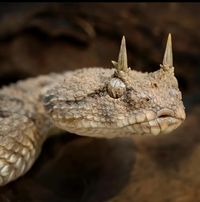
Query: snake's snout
{"points": [[169, 119], [179, 113]]}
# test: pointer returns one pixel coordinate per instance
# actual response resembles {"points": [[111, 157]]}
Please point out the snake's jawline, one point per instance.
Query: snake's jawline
{"points": [[171, 123]]}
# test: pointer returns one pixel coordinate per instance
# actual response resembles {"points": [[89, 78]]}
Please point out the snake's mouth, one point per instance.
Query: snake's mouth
{"points": [[157, 126], [148, 123], [164, 122]]}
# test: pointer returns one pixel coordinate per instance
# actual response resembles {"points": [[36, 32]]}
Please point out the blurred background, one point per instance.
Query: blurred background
{"points": [[38, 38]]}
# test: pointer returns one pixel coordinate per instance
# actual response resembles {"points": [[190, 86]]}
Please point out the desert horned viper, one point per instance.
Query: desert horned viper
{"points": [[96, 102]]}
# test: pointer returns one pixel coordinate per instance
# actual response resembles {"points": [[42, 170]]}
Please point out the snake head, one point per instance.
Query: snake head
{"points": [[102, 102], [153, 100]]}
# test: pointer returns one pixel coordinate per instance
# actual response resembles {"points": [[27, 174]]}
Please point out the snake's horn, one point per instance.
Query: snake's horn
{"points": [[168, 56], [122, 64], [115, 64]]}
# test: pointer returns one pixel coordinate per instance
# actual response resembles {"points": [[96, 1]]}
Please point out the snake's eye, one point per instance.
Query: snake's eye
{"points": [[116, 88]]}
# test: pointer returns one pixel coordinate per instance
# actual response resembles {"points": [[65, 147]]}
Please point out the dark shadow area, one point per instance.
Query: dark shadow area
{"points": [[84, 169]]}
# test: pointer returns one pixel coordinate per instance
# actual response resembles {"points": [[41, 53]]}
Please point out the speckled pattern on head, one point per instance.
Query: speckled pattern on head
{"points": [[96, 102]]}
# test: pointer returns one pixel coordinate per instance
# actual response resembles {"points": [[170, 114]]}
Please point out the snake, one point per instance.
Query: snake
{"points": [[98, 102]]}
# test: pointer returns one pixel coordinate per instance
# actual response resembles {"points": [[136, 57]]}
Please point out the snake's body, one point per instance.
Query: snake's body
{"points": [[97, 102], [23, 126]]}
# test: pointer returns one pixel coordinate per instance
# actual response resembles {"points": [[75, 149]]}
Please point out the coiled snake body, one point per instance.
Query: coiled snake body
{"points": [[97, 102]]}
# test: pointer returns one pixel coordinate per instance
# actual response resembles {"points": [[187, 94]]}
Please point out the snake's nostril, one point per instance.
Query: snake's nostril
{"points": [[164, 113], [163, 116]]}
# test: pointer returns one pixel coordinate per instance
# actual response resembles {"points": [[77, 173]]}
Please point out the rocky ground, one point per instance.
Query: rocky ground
{"points": [[38, 38]]}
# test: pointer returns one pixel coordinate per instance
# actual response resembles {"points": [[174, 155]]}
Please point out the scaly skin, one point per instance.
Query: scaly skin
{"points": [[96, 102]]}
